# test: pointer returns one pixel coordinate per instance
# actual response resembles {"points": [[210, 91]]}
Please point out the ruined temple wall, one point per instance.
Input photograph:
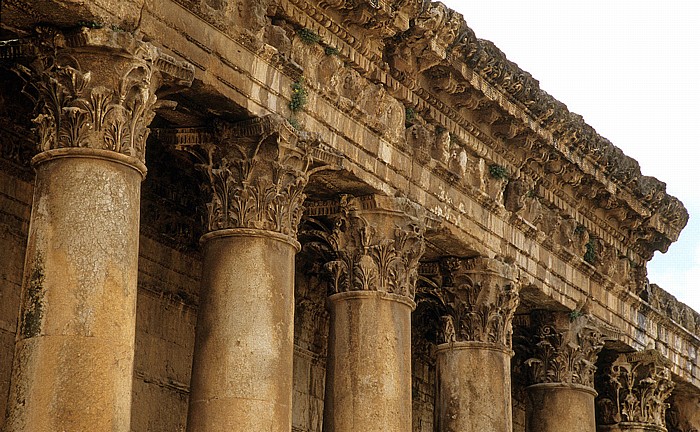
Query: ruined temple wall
{"points": [[311, 325], [15, 208], [166, 316], [423, 371], [167, 298]]}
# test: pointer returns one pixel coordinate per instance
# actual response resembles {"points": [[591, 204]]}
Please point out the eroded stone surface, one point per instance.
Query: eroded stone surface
{"points": [[405, 101]]}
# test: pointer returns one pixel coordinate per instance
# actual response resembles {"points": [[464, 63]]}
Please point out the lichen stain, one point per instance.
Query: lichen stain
{"points": [[34, 302]]}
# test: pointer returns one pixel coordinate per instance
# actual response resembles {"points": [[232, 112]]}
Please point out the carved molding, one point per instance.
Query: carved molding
{"points": [[256, 172], [96, 88], [563, 348], [477, 298], [427, 42], [378, 242], [636, 388]]}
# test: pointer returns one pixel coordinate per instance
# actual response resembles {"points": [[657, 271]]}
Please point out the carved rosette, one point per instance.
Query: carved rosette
{"points": [[256, 170], [563, 348], [378, 242], [479, 297], [96, 89], [636, 388]]}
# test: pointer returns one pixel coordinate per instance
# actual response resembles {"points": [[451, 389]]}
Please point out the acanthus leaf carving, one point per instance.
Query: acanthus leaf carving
{"points": [[80, 102], [636, 388], [378, 243], [563, 348], [478, 298], [256, 170]]}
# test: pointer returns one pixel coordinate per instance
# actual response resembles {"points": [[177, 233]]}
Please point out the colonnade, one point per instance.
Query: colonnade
{"points": [[74, 353]]}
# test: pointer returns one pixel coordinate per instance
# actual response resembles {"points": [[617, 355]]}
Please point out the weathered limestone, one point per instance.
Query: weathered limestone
{"points": [[416, 106], [684, 413], [73, 362], [378, 242], [479, 297], [563, 349], [242, 371], [636, 388]]}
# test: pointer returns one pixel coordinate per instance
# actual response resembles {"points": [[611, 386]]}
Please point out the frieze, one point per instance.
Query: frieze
{"points": [[569, 130], [641, 245]]}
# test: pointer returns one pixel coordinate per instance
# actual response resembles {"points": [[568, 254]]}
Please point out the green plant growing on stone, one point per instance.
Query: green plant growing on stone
{"points": [[34, 307], [498, 172], [294, 123], [575, 314], [410, 115], [309, 37], [331, 51], [580, 229], [590, 255], [90, 24], [299, 96]]}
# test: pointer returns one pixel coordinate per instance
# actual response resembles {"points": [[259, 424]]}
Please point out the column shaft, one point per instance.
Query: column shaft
{"points": [[74, 355], [243, 359], [473, 393], [241, 377], [561, 407], [477, 301], [368, 377], [378, 242]]}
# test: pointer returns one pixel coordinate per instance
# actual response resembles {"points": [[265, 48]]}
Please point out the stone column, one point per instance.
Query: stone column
{"points": [[684, 412], [73, 361], [563, 350], [636, 387], [242, 370], [378, 242], [478, 297]]}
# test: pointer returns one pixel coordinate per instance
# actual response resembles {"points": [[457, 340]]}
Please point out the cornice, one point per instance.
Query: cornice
{"points": [[479, 65]]}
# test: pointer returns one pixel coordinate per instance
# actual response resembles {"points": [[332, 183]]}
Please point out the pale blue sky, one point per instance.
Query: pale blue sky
{"points": [[631, 69]]}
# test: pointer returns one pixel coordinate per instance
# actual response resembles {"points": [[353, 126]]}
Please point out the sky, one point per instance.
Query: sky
{"points": [[631, 69]]}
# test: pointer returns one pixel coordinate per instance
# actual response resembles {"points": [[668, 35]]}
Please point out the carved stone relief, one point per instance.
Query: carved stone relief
{"points": [[256, 171], [377, 241], [478, 298], [636, 388], [563, 348], [82, 103], [427, 43]]}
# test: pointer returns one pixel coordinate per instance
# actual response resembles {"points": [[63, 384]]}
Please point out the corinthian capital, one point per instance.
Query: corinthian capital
{"points": [[563, 348], [96, 88], [378, 241], [479, 297], [256, 170], [636, 388]]}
